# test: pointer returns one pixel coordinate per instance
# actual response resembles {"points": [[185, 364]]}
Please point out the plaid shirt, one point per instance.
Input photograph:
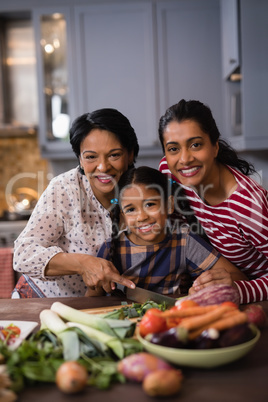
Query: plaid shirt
{"points": [[159, 267]]}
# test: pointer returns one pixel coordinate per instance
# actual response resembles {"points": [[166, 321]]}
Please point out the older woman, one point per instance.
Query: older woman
{"points": [[231, 207], [56, 252]]}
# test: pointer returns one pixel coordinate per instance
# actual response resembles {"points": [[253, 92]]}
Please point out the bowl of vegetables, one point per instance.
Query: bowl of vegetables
{"points": [[198, 336], [202, 358]]}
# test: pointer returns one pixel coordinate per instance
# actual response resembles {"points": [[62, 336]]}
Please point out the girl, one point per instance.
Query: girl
{"points": [[146, 245], [231, 207]]}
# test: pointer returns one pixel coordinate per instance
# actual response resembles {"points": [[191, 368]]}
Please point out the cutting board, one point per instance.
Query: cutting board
{"points": [[105, 310]]}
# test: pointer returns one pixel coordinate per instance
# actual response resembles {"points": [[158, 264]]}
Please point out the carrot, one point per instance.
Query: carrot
{"points": [[231, 313], [188, 312], [230, 321], [196, 322], [196, 332]]}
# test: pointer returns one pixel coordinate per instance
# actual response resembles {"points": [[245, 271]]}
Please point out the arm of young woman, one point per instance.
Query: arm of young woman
{"points": [[222, 272]]}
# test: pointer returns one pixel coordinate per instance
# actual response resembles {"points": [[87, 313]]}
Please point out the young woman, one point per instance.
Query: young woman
{"points": [[146, 246], [231, 207], [56, 252]]}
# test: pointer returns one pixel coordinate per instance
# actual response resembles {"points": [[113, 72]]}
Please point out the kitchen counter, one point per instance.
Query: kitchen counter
{"points": [[241, 381]]}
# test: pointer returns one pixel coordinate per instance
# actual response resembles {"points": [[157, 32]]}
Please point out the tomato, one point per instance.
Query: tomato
{"points": [[186, 304], [15, 330], [152, 322], [10, 332]]}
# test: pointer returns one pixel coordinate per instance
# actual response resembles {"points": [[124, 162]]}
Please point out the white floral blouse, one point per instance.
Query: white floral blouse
{"points": [[67, 218]]}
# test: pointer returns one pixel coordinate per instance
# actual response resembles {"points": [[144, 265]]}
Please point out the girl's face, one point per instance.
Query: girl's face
{"points": [[103, 159], [190, 155], [144, 213]]}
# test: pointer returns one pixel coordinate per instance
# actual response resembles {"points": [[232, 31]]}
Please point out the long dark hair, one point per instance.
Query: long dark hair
{"points": [[105, 119], [202, 115], [160, 182]]}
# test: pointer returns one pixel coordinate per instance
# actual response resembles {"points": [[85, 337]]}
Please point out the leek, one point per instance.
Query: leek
{"points": [[122, 328], [110, 341], [91, 320], [70, 341]]}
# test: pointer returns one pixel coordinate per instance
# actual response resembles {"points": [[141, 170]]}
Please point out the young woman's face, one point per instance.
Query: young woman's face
{"points": [[190, 155], [103, 159], [144, 213]]}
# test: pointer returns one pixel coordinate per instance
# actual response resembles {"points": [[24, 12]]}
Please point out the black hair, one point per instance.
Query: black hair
{"points": [[105, 119], [202, 115], [154, 179]]}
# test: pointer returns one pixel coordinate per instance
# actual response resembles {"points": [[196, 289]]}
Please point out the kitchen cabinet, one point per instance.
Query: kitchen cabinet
{"points": [[18, 84], [138, 57], [143, 56], [245, 101], [116, 51], [189, 55], [53, 27], [230, 37], [110, 62]]}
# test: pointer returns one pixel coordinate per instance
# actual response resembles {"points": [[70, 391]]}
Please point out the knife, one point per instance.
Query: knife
{"points": [[141, 295]]}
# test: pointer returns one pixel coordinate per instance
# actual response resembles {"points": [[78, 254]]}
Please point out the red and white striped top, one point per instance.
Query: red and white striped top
{"points": [[238, 229]]}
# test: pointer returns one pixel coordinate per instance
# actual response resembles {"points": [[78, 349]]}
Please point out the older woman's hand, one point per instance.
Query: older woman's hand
{"points": [[103, 274], [96, 272]]}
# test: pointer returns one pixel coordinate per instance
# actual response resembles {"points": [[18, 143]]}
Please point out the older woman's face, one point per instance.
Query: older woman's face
{"points": [[104, 160], [190, 155]]}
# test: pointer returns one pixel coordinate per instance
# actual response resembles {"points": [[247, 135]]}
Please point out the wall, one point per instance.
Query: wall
{"points": [[260, 162]]}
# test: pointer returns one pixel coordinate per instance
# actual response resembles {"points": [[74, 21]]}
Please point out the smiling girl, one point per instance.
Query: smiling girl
{"points": [[146, 245]]}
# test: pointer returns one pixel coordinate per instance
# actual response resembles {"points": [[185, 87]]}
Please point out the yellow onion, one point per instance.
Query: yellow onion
{"points": [[71, 377]]}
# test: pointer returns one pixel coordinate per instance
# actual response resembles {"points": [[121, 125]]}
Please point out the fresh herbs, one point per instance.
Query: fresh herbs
{"points": [[136, 310], [98, 347], [36, 359]]}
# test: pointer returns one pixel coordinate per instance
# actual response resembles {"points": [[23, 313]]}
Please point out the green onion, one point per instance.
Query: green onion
{"points": [[92, 320], [51, 320]]}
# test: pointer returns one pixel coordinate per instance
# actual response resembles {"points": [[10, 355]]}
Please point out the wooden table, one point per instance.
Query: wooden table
{"points": [[241, 381]]}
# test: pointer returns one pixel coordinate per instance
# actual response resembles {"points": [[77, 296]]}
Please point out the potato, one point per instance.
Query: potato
{"points": [[137, 366], [163, 382]]}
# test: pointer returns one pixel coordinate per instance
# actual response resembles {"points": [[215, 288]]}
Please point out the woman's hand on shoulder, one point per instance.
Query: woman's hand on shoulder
{"points": [[223, 272], [213, 276]]}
